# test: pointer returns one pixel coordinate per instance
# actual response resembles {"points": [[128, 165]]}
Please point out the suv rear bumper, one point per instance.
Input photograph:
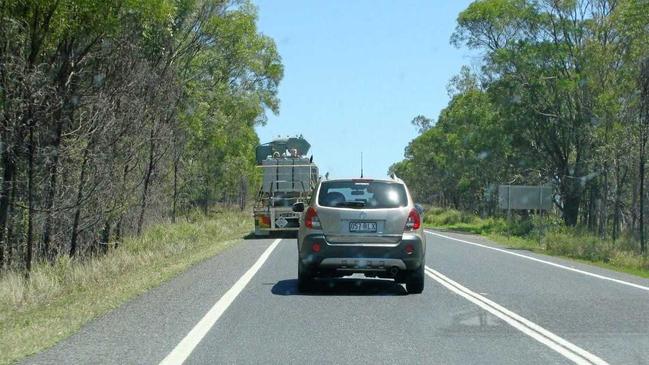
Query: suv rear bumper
{"points": [[361, 258]]}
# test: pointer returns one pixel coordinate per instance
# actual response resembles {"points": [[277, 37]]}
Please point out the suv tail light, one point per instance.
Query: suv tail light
{"points": [[311, 219], [413, 222]]}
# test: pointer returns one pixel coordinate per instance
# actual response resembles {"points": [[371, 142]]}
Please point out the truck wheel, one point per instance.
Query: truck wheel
{"points": [[415, 281], [261, 233]]}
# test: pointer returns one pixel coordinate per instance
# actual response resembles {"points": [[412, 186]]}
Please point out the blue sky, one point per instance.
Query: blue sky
{"points": [[357, 72]]}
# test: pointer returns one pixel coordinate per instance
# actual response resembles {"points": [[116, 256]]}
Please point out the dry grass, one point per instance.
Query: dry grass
{"points": [[58, 299], [557, 239]]}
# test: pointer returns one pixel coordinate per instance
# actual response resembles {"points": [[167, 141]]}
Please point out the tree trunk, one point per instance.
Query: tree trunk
{"points": [[175, 192], [603, 212], [77, 214], [147, 179], [118, 231], [572, 191], [10, 236], [50, 192], [9, 170], [243, 193], [30, 203], [105, 236], [644, 134], [617, 205], [206, 194], [571, 202], [641, 223]]}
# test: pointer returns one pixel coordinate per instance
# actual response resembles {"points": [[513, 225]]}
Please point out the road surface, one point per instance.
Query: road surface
{"points": [[482, 305]]}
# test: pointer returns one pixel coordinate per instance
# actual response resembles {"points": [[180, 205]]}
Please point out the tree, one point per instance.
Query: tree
{"points": [[558, 99], [110, 110]]}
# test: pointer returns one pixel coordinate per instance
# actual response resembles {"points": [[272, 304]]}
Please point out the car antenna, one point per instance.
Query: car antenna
{"points": [[361, 165]]}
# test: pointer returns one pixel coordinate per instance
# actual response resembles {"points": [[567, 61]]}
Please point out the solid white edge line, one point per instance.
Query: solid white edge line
{"points": [[527, 324], [602, 277], [182, 351]]}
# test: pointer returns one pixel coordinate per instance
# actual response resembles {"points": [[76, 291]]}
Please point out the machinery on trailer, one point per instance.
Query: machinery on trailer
{"points": [[288, 177]]}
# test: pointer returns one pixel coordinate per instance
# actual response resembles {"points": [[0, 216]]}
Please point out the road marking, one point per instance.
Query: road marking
{"points": [[563, 347], [182, 351], [637, 286]]}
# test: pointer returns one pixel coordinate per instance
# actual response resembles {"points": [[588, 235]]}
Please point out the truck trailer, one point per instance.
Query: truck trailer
{"points": [[288, 177]]}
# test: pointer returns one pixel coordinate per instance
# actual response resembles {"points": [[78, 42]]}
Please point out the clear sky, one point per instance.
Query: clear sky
{"points": [[357, 72]]}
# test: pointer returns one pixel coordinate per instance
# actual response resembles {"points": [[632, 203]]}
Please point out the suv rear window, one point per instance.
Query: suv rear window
{"points": [[362, 194]]}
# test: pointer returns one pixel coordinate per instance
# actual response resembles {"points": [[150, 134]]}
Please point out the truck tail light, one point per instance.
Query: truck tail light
{"points": [[311, 219], [414, 221], [264, 221]]}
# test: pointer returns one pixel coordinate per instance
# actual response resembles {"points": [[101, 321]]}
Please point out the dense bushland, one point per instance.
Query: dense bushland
{"points": [[117, 114], [560, 97], [547, 235]]}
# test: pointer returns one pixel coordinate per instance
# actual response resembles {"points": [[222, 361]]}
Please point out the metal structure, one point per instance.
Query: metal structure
{"points": [[525, 197], [288, 177]]}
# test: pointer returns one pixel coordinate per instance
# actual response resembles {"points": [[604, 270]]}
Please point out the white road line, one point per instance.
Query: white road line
{"points": [[637, 286], [182, 351], [556, 343]]}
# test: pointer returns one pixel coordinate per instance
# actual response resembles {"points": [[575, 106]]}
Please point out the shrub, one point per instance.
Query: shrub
{"points": [[557, 239]]}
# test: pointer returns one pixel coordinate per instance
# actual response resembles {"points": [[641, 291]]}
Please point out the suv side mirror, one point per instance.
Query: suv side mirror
{"points": [[298, 207]]}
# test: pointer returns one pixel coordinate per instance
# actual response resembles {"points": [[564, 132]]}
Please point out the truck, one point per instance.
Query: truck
{"points": [[288, 177]]}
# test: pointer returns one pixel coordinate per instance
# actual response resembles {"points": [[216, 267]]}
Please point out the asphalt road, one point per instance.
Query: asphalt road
{"points": [[480, 306]]}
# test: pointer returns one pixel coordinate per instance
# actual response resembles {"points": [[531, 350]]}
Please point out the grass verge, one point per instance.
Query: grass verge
{"points": [[58, 299], [548, 236]]}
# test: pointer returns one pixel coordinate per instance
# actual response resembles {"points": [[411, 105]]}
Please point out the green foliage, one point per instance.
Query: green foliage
{"points": [[461, 221], [555, 101], [454, 161], [116, 114], [546, 235]]}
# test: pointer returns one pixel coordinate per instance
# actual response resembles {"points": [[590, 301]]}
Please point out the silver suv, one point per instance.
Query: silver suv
{"points": [[361, 226]]}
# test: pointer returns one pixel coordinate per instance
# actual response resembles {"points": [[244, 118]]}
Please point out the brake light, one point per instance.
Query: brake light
{"points": [[410, 248], [414, 221], [315, 247], [311, 219], [264, 221]]}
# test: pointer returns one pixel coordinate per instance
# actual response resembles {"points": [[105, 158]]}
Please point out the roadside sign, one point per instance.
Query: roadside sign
{"points": [[525, 197]]}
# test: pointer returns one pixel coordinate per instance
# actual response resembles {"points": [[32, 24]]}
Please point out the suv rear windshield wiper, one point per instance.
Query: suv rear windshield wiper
{"points": [[351, 204]]}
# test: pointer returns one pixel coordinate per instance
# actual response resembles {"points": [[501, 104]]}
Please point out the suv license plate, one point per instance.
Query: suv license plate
{"points": [[362, 226]]}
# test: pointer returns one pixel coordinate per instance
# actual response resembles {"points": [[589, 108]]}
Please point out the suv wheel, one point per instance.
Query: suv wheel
{"points": [[304, 279], [415, 281]]}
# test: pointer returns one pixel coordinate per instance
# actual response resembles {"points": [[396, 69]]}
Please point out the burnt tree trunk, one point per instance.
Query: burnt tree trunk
{"points": [[30, 203], [9, 171], [10, 234], [147, 180], [77, 213], [50, 192], [175, 192]]}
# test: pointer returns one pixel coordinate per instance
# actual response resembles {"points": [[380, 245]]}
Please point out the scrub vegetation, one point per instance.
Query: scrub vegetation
{"points": [[59, 297], [545, 235], [560, 98], [119, 114], [117, 119]]}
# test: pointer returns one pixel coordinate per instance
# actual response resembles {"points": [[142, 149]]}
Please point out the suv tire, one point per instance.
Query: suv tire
{"points": [[415, 281], [304, 279]]}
